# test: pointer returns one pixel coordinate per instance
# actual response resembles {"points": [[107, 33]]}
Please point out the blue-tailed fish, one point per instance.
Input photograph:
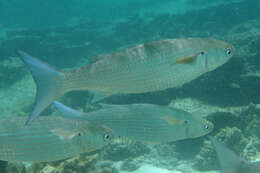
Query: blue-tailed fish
{"points": [[49, 138], [231, 163], [147, 67], [144, 122]]}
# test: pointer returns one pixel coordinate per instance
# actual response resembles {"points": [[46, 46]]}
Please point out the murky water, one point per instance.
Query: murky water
{"points": [[71, 34]]}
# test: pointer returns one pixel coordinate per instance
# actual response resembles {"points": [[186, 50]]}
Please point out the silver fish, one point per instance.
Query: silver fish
{"points": [[230, 162], [50, 138], [147, 67], [144, 122]]}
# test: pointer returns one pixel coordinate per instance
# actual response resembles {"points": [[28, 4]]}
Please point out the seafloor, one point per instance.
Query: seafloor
{"points": [[228, 96]]}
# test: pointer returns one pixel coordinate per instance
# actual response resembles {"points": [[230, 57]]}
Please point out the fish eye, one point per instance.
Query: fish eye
{"points": [[206, 127], [79, 134], [106, 137], [228, 51], [186, 121], [202, 53]]}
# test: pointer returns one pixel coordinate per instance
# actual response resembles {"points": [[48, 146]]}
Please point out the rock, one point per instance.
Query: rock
{"points": [[3, 165], [121, 150], [258, 110], [130, 165], [150, 169], [163, 155], [11, 71], [20, 98], [50, 169], [36, 167], [109, 170], [15, 168], [80, 164], [206, 159]]}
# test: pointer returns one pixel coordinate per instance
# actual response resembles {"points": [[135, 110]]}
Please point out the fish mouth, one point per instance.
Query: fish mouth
{"points": [[187, 132], [211, 126], [206, 63]]}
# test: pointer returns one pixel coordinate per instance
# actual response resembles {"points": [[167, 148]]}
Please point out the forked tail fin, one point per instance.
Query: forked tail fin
{"points": [[68, 112], [49, 83], [229, 161]]}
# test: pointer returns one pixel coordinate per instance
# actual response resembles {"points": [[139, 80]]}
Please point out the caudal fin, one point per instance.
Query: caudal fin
{"points": [[48, 81], [228, 160], [68, 112]]}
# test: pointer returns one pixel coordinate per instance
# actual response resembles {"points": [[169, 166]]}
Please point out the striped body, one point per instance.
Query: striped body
{"points": [[145, 122], [42, 141], [149, 67]]}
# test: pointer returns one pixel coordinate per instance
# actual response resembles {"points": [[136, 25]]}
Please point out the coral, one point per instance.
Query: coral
{"points": [[79, 164]]}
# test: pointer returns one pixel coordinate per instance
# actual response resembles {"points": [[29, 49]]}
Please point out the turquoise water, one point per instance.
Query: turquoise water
{"points": [[69, 34]]}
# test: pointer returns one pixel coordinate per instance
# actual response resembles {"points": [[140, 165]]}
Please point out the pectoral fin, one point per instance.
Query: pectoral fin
{"points": [[171, 120], [64, 134], [186, 59]]}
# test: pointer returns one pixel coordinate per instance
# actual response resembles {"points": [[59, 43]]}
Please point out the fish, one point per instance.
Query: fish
{"points": [[50, 138], [143, 122], [148, 67], [232, 163]]}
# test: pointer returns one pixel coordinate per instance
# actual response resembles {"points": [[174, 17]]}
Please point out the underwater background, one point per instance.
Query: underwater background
{"points": [[69, 34]]}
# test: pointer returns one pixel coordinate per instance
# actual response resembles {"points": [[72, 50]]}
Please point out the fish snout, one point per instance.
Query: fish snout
{"points": [[208, 127]]}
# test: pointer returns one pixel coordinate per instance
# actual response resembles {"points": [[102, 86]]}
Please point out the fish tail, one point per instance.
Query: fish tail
{"points": [[68, 112], [49, 83]]}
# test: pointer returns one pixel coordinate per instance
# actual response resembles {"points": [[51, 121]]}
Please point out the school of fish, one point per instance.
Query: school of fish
{"points": [[147, 67]]}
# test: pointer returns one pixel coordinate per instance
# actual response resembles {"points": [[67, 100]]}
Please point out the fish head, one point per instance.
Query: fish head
{"points": [[216, 53], [91, 137], [198, 127]]}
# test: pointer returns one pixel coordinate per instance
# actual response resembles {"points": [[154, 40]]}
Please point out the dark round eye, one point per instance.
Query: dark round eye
{"points": [[106, 137], [79, 134], [206, 127], [186, 121], [202, 53], [228, 51]]}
